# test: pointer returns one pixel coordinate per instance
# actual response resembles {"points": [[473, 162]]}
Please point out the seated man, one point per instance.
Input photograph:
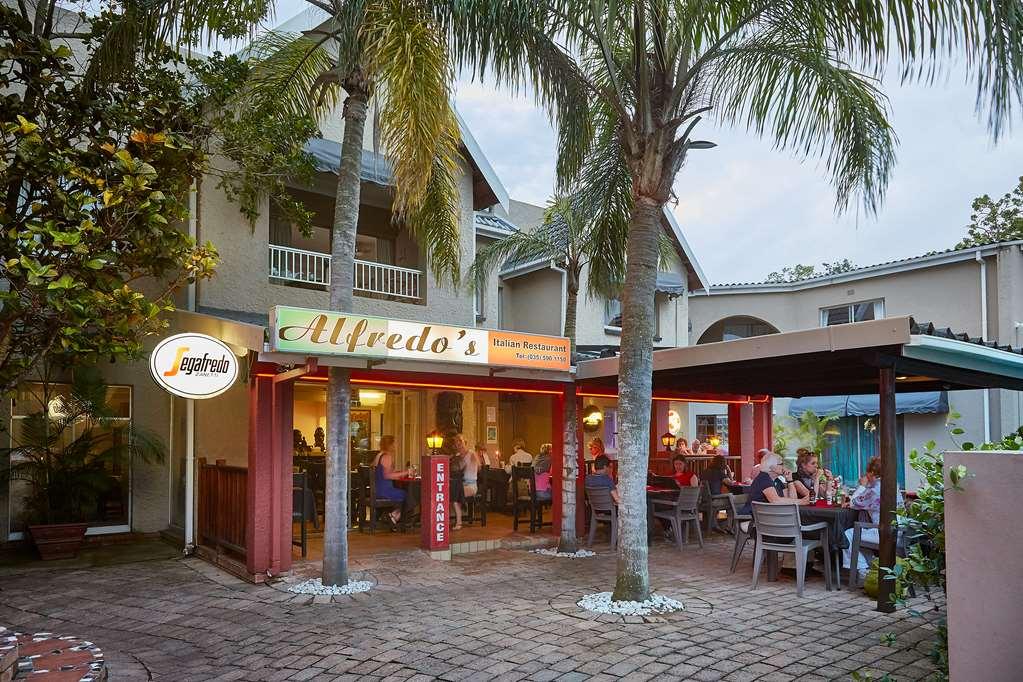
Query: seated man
{"points": [[600, 478]]}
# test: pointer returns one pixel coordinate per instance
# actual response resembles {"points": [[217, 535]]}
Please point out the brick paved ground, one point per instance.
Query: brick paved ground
{"points": [[499, 615]]}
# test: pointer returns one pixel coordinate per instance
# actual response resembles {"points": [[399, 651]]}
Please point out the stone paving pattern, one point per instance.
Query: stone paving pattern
{"points": [[504, 615]]}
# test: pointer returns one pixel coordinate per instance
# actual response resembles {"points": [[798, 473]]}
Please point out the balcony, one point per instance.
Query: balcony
{"points": [[312, 269]]}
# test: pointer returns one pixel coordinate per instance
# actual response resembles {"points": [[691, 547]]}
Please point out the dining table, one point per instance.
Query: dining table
{"points": [[838, 518]]}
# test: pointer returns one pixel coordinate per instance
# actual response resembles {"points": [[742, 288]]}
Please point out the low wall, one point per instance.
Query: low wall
{"points": [[984, 562]]}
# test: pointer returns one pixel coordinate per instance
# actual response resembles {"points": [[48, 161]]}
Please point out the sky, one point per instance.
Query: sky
{"points": [[748, 209]]}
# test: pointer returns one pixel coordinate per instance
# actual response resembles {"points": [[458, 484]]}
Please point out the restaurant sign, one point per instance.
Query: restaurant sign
{"points": [[318, 332], [193, 365]]}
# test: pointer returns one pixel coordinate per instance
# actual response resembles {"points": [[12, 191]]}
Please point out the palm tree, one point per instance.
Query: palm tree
{"points": [[801, 72], [389, 57], [572, 242]]}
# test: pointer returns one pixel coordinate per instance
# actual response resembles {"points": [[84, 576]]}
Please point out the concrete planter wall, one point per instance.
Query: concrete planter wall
{"points": [[984, 564]]}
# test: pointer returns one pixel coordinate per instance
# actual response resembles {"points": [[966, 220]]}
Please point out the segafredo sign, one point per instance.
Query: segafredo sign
{"points": [[193, 365]]}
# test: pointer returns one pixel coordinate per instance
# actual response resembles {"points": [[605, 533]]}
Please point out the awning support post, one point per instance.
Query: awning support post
{"points": [[889, 485]]}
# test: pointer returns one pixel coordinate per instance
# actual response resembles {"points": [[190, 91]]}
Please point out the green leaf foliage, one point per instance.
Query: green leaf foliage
{"points": [[94, 184], [995, 220]]}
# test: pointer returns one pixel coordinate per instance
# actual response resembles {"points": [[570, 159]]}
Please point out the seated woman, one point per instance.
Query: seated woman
{"points": [[682, 448], [772, 485], [718, 475], [809, 475], [543, 458], [542, 477], [384, 477], [681, 474], [866, 497]]}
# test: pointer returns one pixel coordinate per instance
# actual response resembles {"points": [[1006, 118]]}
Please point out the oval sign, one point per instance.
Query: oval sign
{"points": [[193, 365]]}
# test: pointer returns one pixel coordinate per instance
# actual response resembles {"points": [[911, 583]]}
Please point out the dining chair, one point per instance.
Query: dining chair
{"points": [[710, 505], [377, 504], [301, 501], [742, 526], [682, 512], [524, 487], [858, 543], [602, 510], [780, 531]]}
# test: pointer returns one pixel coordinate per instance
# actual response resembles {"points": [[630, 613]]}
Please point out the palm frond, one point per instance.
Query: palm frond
{"points": [[808, 101], [408, 57], [291, 74], [141, 28], [435, 223], [544, 243]]}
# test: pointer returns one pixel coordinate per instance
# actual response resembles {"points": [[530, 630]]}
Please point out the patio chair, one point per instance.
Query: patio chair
{"points": [[710, 505], [859, 543], [602, 510], [742, 526], [682, 512], [779, 531], [359, 496]]}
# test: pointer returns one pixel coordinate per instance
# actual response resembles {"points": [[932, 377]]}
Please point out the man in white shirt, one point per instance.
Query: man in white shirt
{"points": [[520, 456]]}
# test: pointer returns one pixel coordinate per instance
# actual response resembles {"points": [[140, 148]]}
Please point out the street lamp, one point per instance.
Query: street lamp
{"points": [[668, 441], [434, 441]]}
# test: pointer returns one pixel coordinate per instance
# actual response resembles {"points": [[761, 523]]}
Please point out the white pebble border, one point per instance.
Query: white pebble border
{"points": [[316, 586], [578, 554], [601, 603]]}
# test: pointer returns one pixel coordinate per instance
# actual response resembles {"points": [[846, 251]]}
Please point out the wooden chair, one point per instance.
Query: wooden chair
{"points": [[302, 503], [681, 513], [602, 510], [527, 498], [377, 504], [478, 502]]}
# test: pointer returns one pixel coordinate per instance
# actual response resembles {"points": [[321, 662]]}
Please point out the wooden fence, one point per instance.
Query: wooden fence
{"points": [[223, 496]]}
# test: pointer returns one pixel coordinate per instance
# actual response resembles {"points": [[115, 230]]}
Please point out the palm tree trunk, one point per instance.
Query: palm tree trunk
{"points": [[342, 272], [634, 396], [568, 542]]}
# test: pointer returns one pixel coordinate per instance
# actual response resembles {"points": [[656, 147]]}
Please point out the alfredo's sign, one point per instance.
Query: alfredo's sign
{"points": [[318, 332], [193, 365]]}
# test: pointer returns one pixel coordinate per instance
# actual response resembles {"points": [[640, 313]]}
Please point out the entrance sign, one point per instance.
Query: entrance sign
{"points": [[193, 366], [319, 332], [434, 500]]}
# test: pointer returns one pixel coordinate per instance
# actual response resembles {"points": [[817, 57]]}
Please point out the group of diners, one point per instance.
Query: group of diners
{"points": [[467, 464], [774, 483]]}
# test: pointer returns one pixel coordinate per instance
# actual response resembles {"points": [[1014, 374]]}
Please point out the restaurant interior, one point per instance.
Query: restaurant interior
{"points": [[492, 421]]}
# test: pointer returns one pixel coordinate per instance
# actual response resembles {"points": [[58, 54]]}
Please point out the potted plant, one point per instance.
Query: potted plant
{"points": [[64, 455]]}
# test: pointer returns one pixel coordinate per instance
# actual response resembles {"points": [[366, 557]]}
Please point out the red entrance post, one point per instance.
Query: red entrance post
{"points": [[434, 500]]}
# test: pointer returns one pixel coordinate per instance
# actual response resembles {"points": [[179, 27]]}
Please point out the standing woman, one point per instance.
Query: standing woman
{"points": [[469, 463]]}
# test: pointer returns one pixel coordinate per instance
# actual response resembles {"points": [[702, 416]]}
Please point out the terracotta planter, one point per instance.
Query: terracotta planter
{"points": [[58, 540]]}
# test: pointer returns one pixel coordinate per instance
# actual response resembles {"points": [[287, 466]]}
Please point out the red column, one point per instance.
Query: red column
{"points": [[257, 529], [268, 526], [557, 457], [741, 438], [435, 501], [284, 443], [763, 425], [580, 481]]}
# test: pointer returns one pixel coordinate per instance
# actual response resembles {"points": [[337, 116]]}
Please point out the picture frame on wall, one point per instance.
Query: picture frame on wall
{"points": [[491, 434]]}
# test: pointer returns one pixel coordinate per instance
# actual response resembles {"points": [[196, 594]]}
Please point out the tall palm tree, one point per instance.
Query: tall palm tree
{"points": [[389, 57], [804, 73], [569, 239]]}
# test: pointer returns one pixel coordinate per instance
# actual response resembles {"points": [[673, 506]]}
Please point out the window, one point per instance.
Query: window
{"points": [[613, 313], [708, 425], [854, 312], [745, 330], [112, 508], [478, 301], [374, 249]]}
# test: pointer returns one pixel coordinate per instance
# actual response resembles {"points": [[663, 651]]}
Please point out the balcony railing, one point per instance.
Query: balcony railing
{"points": [[313, 267]]}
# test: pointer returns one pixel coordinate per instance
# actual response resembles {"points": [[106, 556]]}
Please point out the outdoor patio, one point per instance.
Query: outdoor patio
{"points": [[507, 614]]}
